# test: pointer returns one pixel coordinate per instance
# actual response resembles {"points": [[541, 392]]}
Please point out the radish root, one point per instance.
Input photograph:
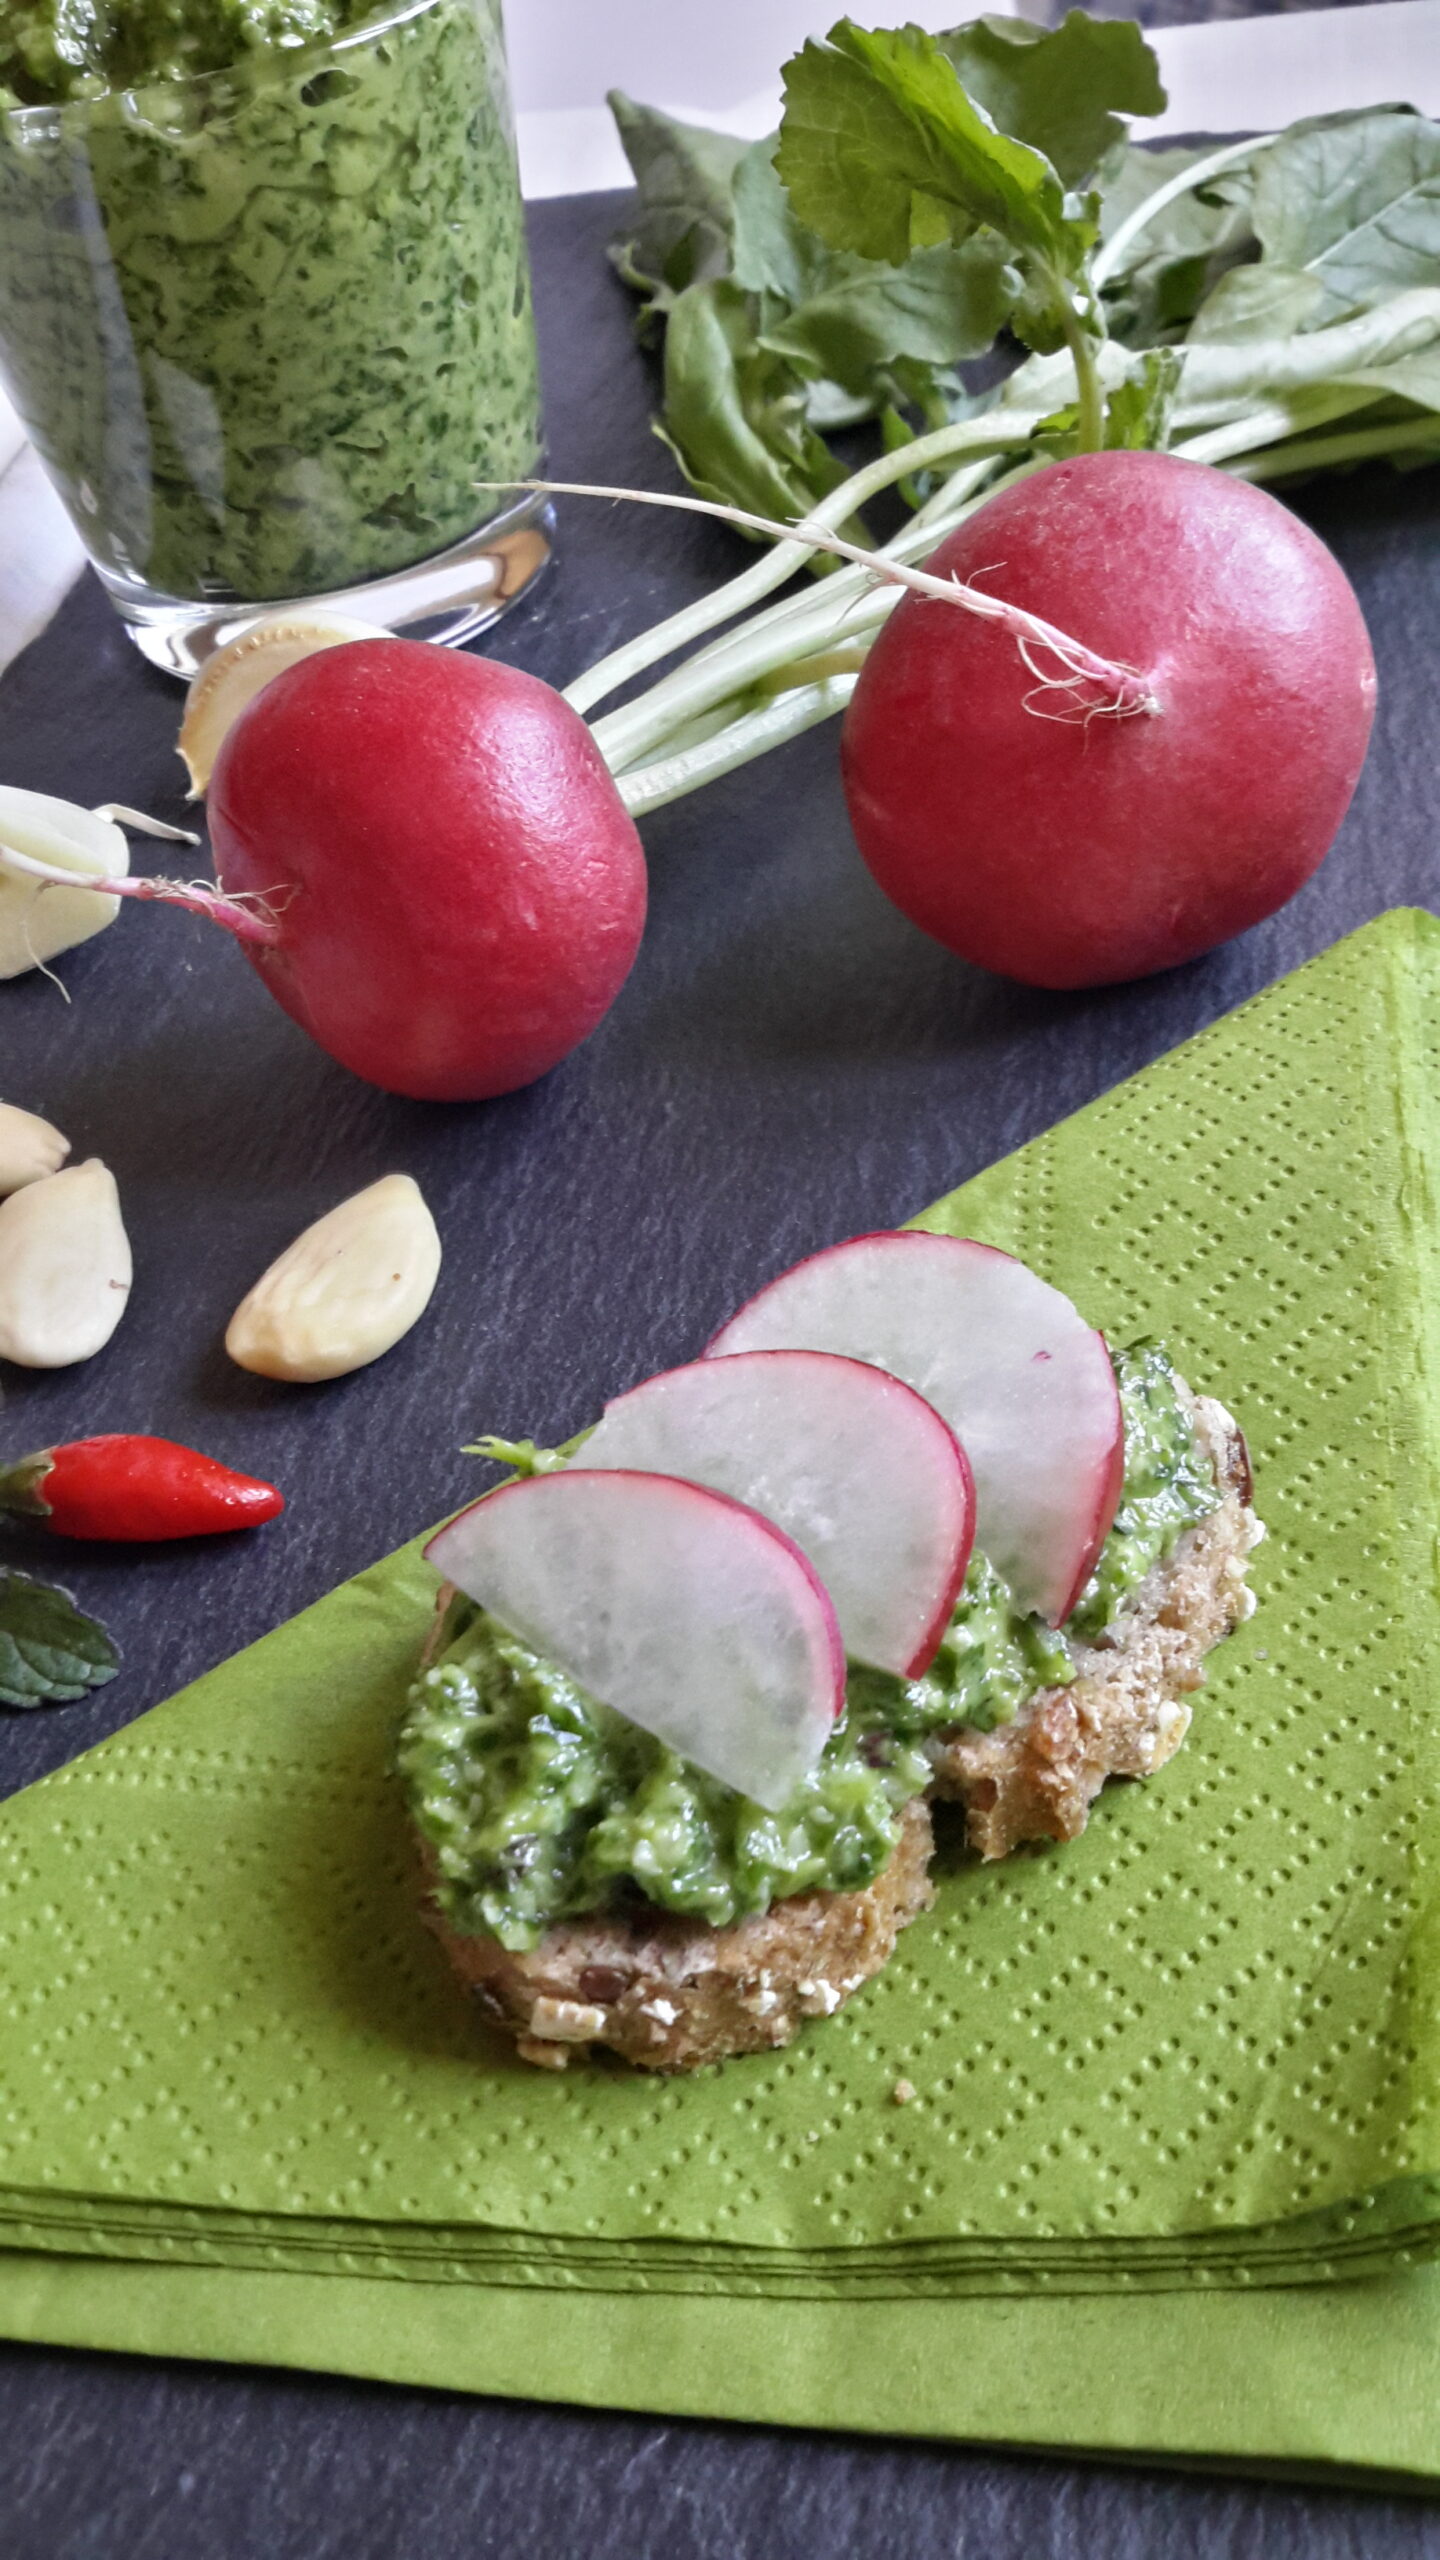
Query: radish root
{"points": [[1121, 692], [249, 915]]}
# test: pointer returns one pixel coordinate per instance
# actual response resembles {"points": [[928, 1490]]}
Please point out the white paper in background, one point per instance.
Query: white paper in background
{"points": [[718, 65], [40, 553]]}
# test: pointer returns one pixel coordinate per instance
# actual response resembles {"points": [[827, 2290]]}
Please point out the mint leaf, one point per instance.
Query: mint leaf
{"points": [[49, 1650], [684, 173], [883, 152], [1062, 89]]}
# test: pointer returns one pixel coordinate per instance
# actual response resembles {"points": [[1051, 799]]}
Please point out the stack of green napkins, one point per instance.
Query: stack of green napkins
{"points": [[1164, 2078]]}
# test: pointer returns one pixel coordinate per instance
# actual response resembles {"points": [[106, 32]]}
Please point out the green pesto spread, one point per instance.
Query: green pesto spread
{"points": [[55, 50], [538, 1804], [267, 326], [1169, 1485]]}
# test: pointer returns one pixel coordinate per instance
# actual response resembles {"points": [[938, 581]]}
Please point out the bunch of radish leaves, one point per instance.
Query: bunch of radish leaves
{"points": [[930, 196]]}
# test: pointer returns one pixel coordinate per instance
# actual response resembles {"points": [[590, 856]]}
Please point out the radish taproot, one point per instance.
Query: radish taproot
{"points": [[1032, 825]]}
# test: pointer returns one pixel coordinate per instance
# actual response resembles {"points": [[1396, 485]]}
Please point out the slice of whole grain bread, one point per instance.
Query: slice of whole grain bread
{"points": [[1125, 1714], [670, 1994]]}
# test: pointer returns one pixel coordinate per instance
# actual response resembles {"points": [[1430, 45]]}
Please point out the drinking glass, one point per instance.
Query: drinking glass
{"points": [[270, 329]]}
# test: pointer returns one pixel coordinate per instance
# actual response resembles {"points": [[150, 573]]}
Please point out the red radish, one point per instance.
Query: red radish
{"points": [[850, 1463], [457, 888], [1022, 1380], [690, 1615], [1066, 845], [426, 859]]}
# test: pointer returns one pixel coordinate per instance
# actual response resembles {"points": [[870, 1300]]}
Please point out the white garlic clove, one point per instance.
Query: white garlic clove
{"points": [[345, 1291], [65, 1268], [36, 921], [228, 683], [29, 1148]]}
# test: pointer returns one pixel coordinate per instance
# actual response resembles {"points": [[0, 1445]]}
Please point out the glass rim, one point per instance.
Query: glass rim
{"points": [[253, 72]]}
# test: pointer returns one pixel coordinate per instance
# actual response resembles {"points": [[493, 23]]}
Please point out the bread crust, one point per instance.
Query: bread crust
{"points": [[671, 1994]]}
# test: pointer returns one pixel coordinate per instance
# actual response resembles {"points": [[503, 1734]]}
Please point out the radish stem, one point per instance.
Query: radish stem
{"points": [[1420, 436], [669, 778], [1090, 422], [988, 435], [1273, 421], [846, 608]]}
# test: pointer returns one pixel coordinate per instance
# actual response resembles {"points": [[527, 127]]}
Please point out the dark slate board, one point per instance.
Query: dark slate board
{"points": [[789, 1062]]}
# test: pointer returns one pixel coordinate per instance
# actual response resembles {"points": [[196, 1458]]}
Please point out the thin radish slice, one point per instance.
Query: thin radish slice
{"points": [[854, 1466], [689, 1614], [1023, 1381]]}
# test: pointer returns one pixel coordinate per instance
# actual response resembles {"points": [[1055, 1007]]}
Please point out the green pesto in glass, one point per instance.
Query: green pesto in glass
{"points": [[264, 299], [537, 1804]]}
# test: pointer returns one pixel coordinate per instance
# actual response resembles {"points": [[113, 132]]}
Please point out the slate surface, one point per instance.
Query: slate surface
{"points": [[789, 1062]]}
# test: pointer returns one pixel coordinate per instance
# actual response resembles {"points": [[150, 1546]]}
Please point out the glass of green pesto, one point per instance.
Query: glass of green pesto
{"points": [[265, 307]]}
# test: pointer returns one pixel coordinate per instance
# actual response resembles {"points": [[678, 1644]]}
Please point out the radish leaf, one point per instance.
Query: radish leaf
{"points": [[1138, 411], [848, 317], [883, 152], [1062, 89], [735, 414], [1268, 301], [1180, 256], [1354, 204], [684, 174], [941, 305]]}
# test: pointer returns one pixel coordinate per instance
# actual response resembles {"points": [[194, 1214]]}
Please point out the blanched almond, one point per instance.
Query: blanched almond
{"points": [[345, 1291], [65, 1268], [29, 1148], [36, 921]]}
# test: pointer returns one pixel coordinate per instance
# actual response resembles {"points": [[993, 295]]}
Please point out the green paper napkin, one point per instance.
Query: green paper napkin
{"points": [[1192, 2048], [1344, 2375]]}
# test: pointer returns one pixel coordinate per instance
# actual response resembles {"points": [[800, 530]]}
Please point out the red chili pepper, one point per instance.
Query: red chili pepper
{"points": [[124, 1486]]}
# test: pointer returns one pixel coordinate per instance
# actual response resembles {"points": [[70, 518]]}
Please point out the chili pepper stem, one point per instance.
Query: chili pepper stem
{"points": [[20, 1486]]}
